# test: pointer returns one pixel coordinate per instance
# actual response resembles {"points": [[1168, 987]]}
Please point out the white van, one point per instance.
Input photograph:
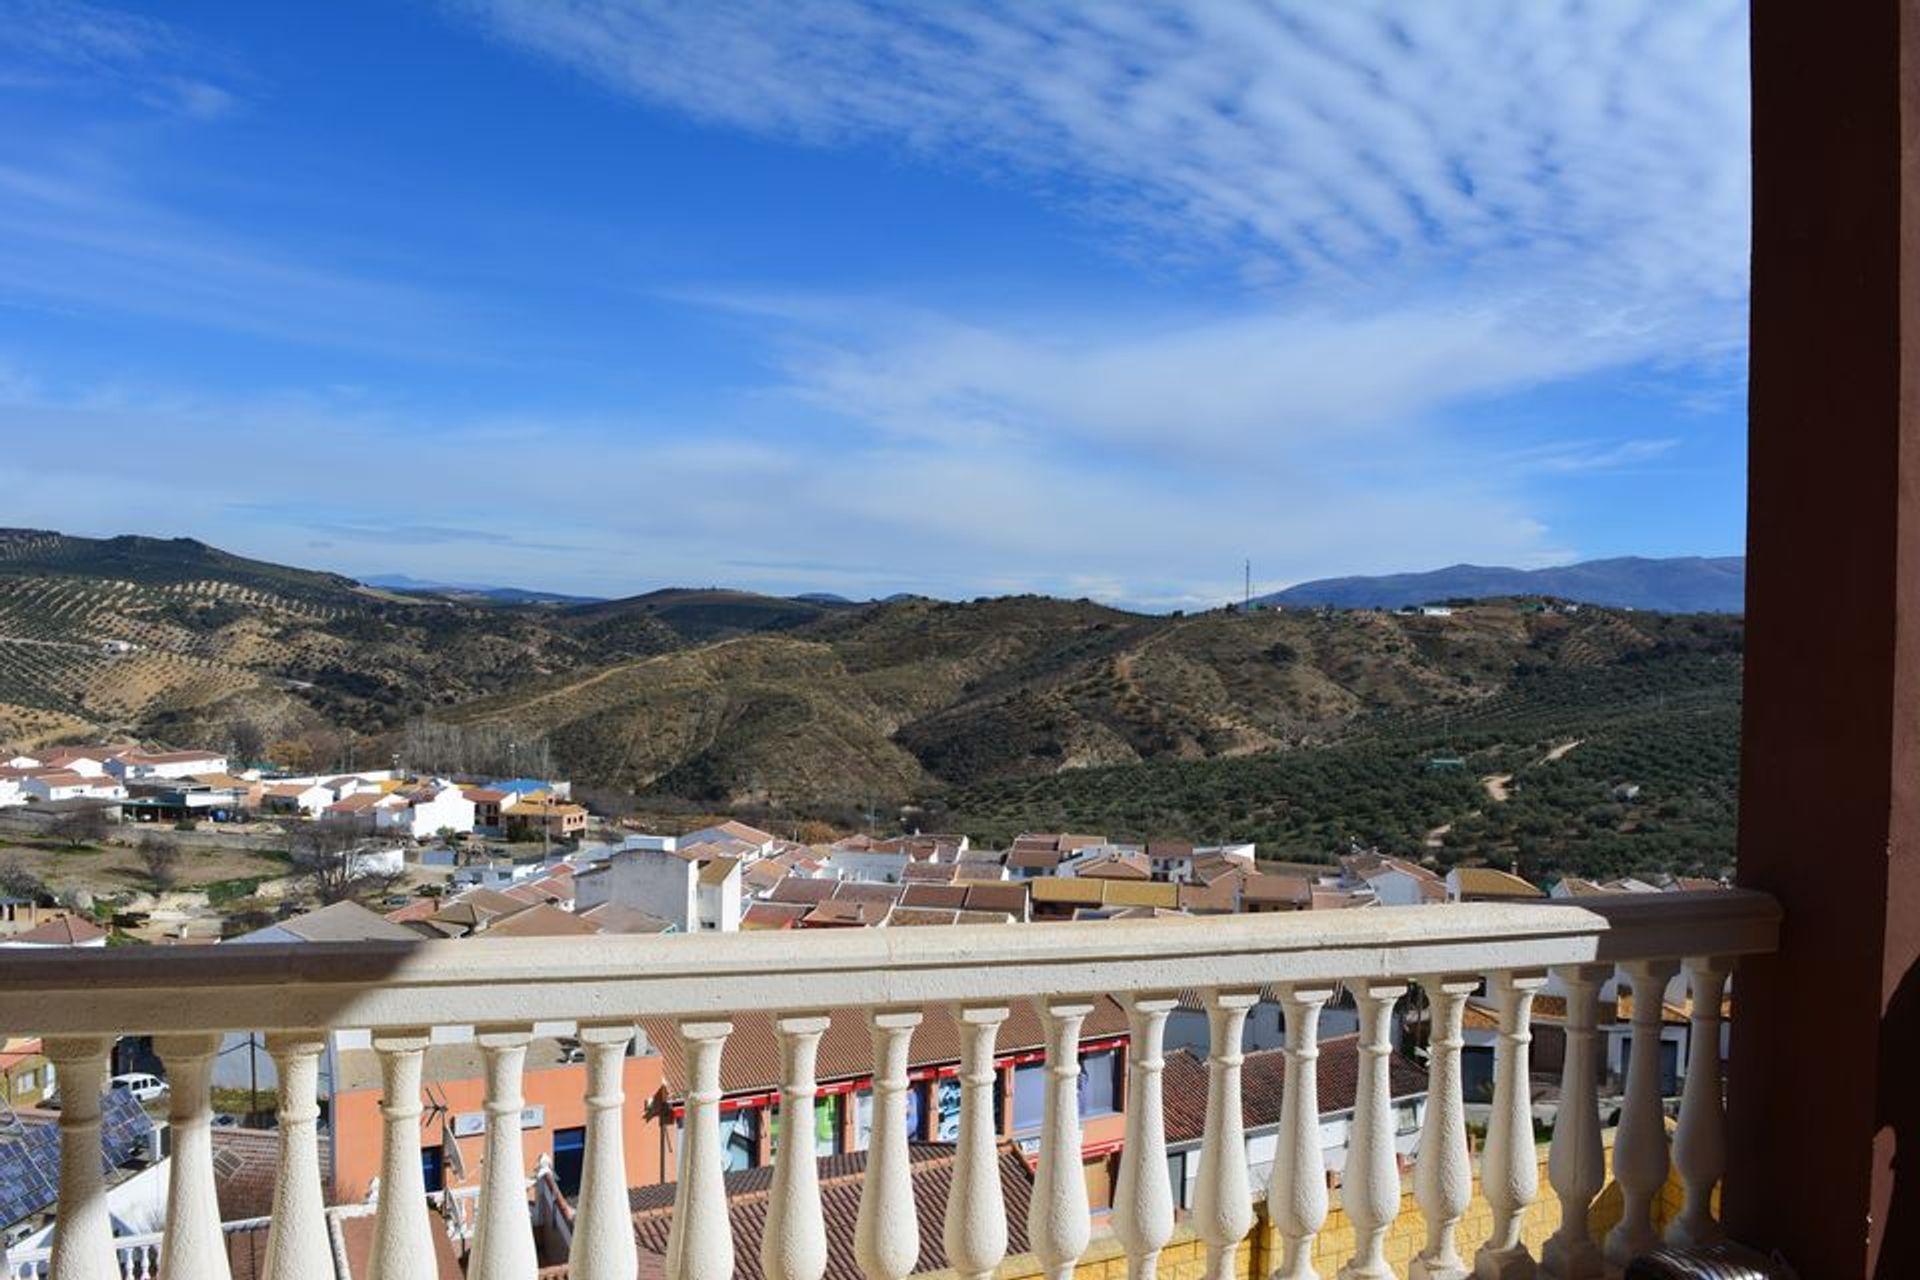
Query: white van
{"points": [[143, 1087]]}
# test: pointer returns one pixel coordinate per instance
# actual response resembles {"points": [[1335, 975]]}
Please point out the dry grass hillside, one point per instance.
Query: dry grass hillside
{"points": [[1305, 729]]}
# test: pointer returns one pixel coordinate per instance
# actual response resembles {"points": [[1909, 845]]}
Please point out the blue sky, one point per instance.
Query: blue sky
{"points": [[1072, 297]]}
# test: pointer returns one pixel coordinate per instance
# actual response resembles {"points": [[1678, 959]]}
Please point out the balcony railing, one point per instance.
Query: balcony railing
{"points": [[502, 988]]}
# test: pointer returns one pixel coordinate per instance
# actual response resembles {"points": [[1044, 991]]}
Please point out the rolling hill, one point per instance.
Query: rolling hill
{"points": [[1304, 729], [173, 640], [1685, 584]]}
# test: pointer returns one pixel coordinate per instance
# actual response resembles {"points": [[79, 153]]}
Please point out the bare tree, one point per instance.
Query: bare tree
{"points": [[161, 858], [83, 824], [17, 880], [329, 858], [246, 741], [470, 749]]}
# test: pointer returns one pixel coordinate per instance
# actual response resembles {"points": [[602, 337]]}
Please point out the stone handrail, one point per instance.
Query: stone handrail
{"points": [[81, 1000]]}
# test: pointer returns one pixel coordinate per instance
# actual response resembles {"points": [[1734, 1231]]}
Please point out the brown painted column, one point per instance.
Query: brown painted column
{"points": [[1824, 1132]]}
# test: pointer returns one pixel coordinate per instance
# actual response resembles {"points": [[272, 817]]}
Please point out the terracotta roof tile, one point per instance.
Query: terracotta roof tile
{"points": [[751, 1061], [1262, 1085], [950, 897], [748, 1193]]}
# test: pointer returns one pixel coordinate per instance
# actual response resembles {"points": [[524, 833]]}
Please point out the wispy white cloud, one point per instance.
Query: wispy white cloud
{"points": [[1337, 146], [65, 42], [881, 516], [1427, 207]]}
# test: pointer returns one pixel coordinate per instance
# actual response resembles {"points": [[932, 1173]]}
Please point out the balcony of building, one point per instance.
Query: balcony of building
{"points": [[1452, 1203]]}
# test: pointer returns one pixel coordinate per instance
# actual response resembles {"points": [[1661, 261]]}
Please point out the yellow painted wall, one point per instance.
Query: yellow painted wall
{"points": [[1185, 1257]]}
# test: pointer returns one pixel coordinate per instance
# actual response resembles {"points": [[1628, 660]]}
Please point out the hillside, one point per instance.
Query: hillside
{"points": [[173, 640], [1307, 731], [1684, 584]]}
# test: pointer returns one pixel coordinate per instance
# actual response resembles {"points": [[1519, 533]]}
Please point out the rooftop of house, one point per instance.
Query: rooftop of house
{"points": [[615, 917], [1263, 1085], [751, 1063], [63, 931], [1490, 882], [930, 1169]]}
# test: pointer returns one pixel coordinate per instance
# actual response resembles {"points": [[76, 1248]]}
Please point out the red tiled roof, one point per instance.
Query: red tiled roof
{"points": [[749, 1193], [542, 921], [773, 915], [751, 1063], [802, 889], [1262, 1077], [65, 931], [998, 895], [950, 897]]}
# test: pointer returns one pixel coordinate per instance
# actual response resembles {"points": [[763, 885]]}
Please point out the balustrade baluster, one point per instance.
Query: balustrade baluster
{"points": [[1058, 1221], [700, 1241], [975, 1230], [1143, 1195], [1509, 1169], [1297, 1190], [297, 1245], [1700, 1139], [503, 1235], [83, 1231], [402, 1233], [1223, 1196], [1443, 1178], [1577, 1164], [603, 1247], [193, 1244], [1640, 1147], [795, 1244], [887, 1231], [1370, 1187]]}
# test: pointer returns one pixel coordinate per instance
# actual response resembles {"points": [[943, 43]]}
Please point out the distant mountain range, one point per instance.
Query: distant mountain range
{"points": [[1681, 584], [472, 590]]}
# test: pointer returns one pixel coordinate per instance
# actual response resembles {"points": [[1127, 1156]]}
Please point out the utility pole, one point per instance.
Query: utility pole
{"points": [[1249, 598]]}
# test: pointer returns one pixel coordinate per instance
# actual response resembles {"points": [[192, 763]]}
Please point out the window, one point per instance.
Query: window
{"points": [[739, 1139], [1029, 1096], [946, 1110], [862, 1119], [826, 1125], [569, 1160], [433, 1166], [1100, 1083], [863, 1116]]}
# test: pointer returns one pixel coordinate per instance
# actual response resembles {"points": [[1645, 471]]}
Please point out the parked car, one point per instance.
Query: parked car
{"points": [[144, 1087]]}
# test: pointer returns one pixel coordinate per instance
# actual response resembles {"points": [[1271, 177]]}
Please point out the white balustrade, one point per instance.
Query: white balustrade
{"points": [[1576, 1165], [1443, 1177], [1509, 1169], [1700, 1140], [1640, 1148], [1143, 1194], [297, 1246], [79, 1002], [700, 1242], [887, 1231], [402, 1236], [795, 1244], [83, 1237], [1223, 1198], [602, 1247], [975, 1230], [1297, 1187], [1059, 1224], [503, 1238], [1370, 1187]]}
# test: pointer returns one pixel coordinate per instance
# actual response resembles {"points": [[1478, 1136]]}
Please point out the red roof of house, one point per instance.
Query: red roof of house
{"points": [[66, 931]]}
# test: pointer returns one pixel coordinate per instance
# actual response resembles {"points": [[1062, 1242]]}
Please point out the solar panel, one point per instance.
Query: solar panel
{"points": [[30, 1154]]}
